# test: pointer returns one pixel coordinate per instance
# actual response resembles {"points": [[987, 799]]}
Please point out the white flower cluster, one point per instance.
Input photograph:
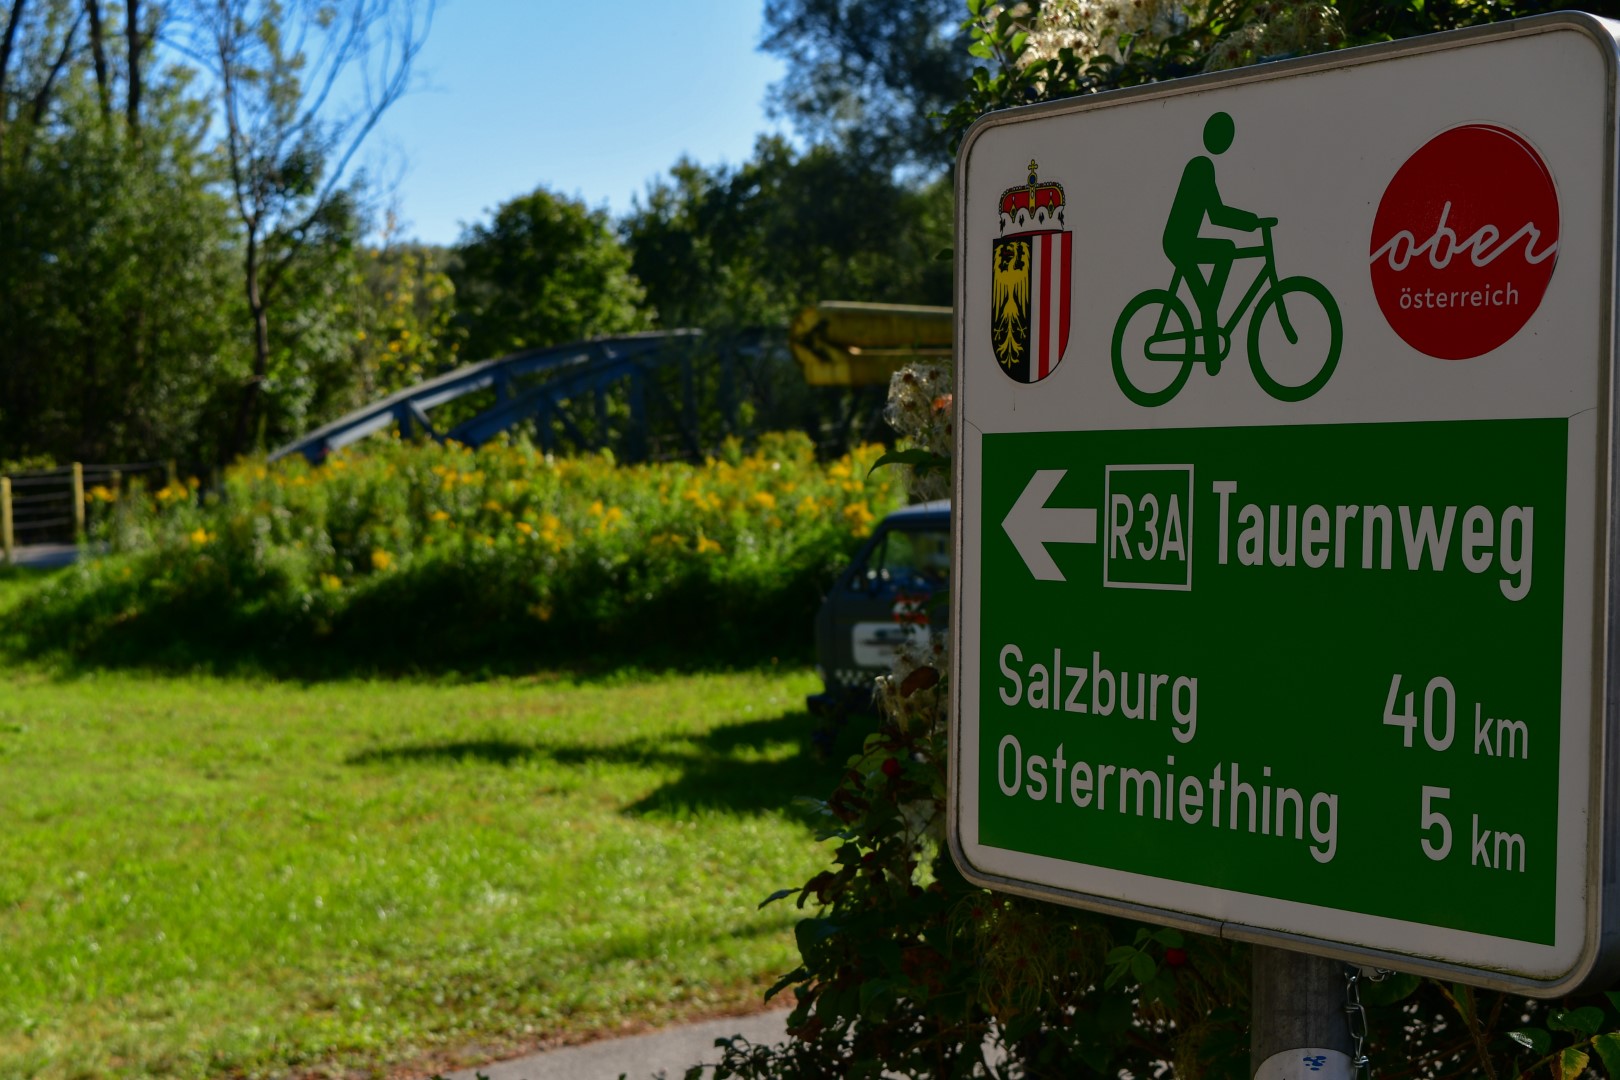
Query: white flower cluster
{"points": [[919, 410], [1095, 28], [1282, 28]]}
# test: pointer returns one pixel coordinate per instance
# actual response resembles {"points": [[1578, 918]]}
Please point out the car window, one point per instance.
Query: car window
{"points": [[910, 558]]}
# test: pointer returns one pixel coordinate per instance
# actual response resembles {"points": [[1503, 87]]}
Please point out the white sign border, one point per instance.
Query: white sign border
{"points": [[1411, 945]]}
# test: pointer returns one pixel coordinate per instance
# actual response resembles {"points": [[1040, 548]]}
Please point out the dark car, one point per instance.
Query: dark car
{"points": [[878, 603]]}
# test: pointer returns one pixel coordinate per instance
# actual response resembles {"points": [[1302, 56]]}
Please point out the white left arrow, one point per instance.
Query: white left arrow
{"points": [[1031, 524]]}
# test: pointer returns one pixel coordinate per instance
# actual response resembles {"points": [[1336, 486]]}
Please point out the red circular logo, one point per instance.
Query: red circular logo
{"points": [[1464, 242]]}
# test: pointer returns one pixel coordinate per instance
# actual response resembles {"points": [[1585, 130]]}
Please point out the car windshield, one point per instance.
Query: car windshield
{"points": [[908, 557]]}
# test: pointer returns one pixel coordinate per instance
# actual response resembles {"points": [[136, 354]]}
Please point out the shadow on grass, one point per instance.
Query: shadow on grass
{"points": [[460, 752], [736, 768]]}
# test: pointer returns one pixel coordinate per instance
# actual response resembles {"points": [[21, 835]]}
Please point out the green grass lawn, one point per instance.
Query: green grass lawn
{"points": [[214, 877]]}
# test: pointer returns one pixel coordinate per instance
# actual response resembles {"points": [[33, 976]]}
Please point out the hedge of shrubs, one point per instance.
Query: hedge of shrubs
{"points": [[427, 557]]}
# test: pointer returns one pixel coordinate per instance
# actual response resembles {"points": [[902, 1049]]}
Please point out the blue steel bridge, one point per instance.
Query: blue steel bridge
{"points": [[666, 394]]}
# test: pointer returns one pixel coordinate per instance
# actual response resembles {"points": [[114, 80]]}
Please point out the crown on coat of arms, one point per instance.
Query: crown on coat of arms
{"points": [[1034, 203]]}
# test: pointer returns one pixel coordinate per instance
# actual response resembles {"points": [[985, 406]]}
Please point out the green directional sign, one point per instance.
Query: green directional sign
{"points": [[1279, 607], [1358, 640]]}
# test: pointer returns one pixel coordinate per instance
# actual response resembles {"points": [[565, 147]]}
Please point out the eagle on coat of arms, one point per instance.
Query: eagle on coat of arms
{"points": [[1029, 292]]}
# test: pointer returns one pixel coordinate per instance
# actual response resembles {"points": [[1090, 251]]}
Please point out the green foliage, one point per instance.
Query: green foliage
{"points": [[866, 78], [299, 86], [179, 272], [116, 288], [318, 305], [545, 270], [424, 557], [407, 303], [1053, 49], [907, 969], [920, 460], [750, 245]]}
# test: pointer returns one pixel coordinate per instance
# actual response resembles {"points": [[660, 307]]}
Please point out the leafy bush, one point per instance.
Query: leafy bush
{"points": [[428, 557]]}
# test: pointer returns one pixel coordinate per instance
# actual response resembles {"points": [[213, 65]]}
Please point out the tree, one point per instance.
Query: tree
{"points": [[544, 270], [732, 250], [176, 281], [1050, 49], [750, 245], [114, 282], [408, 303], [869, 77], [281, 68]]}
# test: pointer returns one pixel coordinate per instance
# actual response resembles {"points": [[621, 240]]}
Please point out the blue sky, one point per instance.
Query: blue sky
{"points": [[591, 100]]}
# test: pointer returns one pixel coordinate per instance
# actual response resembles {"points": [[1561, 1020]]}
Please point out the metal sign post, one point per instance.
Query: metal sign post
{"points": [[1283, 524], [1299, 1019]]}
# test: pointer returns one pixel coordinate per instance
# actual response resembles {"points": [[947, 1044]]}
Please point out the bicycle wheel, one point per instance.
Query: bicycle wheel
{"points": [[1153, 347], [1302, 337]]}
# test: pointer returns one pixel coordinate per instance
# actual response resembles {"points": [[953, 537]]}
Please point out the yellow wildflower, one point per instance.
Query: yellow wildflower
{"points": [[525, 528], [331, 582], [381, 560], [764, 500], [705, 545], [201, 536], [439, 515]]}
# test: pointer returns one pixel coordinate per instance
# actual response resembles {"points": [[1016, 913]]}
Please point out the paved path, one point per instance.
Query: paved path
{"points": [[667, 1053]]}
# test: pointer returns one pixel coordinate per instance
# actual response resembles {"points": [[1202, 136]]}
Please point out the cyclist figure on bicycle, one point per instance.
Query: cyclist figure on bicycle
{"points": [[1190, 252]]}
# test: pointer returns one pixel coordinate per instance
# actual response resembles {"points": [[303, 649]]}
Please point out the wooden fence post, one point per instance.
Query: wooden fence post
{"points": [[172, 475], [78, 502], [6, 539]]}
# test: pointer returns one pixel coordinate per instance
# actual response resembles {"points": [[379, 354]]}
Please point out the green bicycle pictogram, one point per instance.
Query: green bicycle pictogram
{"points": [[1174, 337]]}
